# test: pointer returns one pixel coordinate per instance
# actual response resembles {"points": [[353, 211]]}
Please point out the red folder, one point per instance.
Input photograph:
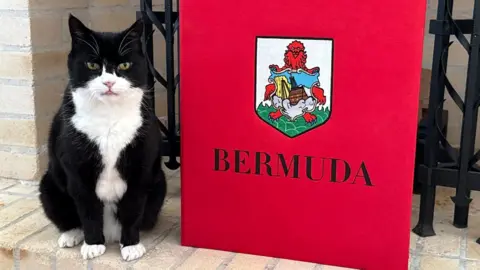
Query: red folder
{"points": [[299, 126]]}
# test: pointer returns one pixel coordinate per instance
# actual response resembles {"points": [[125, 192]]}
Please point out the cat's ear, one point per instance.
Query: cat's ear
{"points": [[135, 31], [77, 28]]}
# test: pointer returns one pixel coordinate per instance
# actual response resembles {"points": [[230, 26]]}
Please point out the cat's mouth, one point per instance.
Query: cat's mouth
{"points": [[109, 93]]}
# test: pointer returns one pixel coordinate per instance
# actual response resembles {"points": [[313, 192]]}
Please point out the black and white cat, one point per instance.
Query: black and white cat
{"points": [[104, 181]]}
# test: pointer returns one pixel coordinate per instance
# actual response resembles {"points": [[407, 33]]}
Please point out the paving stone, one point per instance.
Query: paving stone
{"points": [[205, 259], [17, 210], [415, 201], [473, 233], [475, 204], [6, 258], [248, 262], [23, 189], [168, 173], [436, 263], [5, 183], [37, 261], [172, 207], [70, 258], [174, 187], [166, 254], [12, 235], [112, 258], [177, 173], [289, 264], [164, 226], [446, 242], [443, 202], [413, 241], [472, 265], [6, 199], [473, 249], [38, 251], [42, 242]]}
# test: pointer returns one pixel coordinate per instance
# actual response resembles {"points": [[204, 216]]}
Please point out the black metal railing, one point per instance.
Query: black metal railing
{"points": [[167, 23], [442, 164]]}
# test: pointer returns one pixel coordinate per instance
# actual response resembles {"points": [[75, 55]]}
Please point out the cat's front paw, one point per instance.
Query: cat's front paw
{"points": [[70, 238], [133, 252], [92, 251]]}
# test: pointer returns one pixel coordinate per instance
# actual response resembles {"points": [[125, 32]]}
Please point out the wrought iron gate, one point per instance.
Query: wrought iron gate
{"points": [[460, 171], [167, 23]]}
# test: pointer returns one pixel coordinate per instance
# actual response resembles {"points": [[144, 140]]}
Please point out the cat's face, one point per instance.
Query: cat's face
{"points": [[106, 66]]}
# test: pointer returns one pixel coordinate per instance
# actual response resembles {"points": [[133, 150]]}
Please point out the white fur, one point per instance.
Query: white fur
{"points": [[111, 122], [130, 253], [112, 229], [70, 238], [91, 251]]}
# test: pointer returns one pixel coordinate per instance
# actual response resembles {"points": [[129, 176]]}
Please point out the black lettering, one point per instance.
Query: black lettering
{"points": [[286, 168], [218, 159], [334, 171], [309, 168], [240, 161], [259, 163], [365, 175]]}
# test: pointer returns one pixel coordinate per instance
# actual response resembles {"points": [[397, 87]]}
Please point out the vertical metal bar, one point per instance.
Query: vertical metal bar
{"points": [[147, 4], [172, 134], [437, 90], [467, 144]]}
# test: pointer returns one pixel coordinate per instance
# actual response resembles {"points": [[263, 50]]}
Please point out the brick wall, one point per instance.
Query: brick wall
{"points": [[457, 66], [34, 43]]}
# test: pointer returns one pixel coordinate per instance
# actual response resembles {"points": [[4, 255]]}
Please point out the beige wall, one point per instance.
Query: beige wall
{"points": [[457, 65], [34, 42]]}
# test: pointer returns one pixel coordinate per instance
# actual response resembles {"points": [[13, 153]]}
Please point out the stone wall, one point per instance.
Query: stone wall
{"points": [[34, 43]]}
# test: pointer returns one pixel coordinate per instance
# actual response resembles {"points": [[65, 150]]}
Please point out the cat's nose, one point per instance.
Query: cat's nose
{"points": [[109, 84]]}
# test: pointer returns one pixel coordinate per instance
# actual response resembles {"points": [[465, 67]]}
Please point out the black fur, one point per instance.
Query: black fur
{"points": [[67, 190]]}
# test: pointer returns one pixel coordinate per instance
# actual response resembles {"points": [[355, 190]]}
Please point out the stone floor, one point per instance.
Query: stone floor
{"points": [[29, 241], [451, 248]]}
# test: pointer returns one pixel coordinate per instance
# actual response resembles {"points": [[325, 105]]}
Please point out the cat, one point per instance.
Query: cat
{"points": [[104, 181]]}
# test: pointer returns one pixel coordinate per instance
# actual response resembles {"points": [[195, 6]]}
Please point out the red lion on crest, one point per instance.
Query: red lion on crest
{"points": [[295, 58]]}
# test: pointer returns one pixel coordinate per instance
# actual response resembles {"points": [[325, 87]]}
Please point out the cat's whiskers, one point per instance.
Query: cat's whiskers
{"points": [[124, 49], [149, 90], [90, 45], [96, 43], [120, 47], [90, 99]]}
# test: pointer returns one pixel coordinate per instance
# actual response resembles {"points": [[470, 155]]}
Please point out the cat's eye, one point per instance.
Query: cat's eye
{"points": [[93, 66], [124, 66]]}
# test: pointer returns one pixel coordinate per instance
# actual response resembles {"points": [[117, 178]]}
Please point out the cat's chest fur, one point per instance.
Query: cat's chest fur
{"points": [[111, 129]]}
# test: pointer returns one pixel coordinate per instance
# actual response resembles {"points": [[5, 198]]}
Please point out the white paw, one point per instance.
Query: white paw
{"points": [[91, 251], [130, 253], [70, 238]]}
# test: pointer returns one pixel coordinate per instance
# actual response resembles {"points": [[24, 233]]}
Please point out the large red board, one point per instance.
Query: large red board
{"points": [[364, 57]]}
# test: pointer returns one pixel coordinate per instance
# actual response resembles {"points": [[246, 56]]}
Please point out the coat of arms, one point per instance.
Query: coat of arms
{"points": [[294, 90]]}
